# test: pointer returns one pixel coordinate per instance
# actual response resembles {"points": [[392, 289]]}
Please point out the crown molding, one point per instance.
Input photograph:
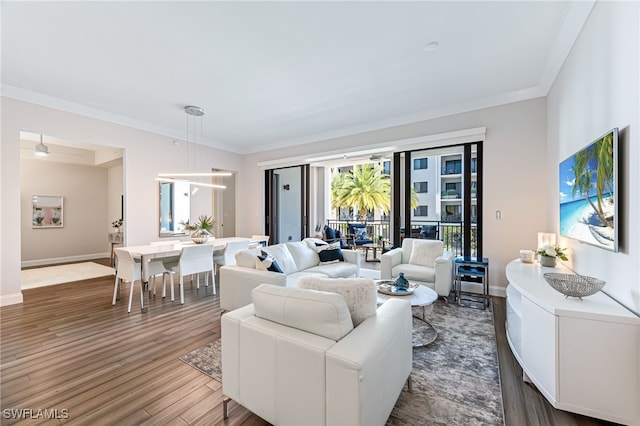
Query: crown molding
{"points": [[99, 114]]}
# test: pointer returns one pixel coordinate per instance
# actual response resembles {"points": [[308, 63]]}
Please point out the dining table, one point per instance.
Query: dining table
{"points": [[147, 252]]}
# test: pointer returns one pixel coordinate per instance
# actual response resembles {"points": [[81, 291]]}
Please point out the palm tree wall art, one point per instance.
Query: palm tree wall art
{"points": [[588, 193]]}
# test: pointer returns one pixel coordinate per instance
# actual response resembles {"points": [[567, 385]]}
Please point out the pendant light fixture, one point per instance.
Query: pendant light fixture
{"points": [[194, 115], [41, 149]]}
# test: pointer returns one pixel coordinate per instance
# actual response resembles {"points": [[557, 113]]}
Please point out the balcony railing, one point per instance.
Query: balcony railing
{"points": [[450, 233], [448, 194], [451, 171]]}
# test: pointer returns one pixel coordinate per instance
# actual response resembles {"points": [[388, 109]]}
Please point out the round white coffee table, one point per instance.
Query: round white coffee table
{"points": [[423, 297]]}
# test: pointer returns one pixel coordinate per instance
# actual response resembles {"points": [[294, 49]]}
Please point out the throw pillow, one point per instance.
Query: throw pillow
{"points": [[283, 257], [362, 235], [266, 262], [304, 256], [330, 253], [425, 252], [343, 245], [314, 242], [329, 233], [247, 258], [359, 293]]}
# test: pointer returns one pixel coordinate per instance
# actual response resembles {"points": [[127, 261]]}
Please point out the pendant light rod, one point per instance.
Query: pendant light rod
{"points": [[204, 174], [195, 112]]}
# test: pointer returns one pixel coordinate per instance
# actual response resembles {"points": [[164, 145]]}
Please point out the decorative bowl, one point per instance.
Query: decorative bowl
{"points": [[574, 285], [389, 287]]}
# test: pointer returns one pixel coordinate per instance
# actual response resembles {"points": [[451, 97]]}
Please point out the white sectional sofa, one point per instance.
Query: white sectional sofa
{"points": [[296, 259], [294, 357]]}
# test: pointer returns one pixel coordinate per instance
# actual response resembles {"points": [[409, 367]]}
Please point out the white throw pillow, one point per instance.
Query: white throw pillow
{"points": [[283, 256], [359, 293], [314, 242], [304, 256], [318, 312], [247, 258], [425, 252]]}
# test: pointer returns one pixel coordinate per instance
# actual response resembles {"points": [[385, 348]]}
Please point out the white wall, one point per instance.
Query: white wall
{"points": [[84, 192], [146, 154], [515, 181], [596, 90]]}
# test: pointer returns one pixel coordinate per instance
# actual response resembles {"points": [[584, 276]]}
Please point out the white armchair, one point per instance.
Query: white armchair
{"points": [[422, 261], [293, 357]]}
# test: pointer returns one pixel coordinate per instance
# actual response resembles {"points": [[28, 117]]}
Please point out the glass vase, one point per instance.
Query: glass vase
{"points": [[401, 281], [200, 236]]}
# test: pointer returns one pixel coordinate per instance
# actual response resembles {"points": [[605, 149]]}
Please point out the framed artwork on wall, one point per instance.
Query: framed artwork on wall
{"points": [[47, 212]]}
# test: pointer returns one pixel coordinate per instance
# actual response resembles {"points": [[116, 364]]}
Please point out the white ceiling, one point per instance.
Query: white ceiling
{"points": [[273, 74]]}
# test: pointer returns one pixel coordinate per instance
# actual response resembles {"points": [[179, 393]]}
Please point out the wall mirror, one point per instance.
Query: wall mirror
{"points": [[175, 208], [46, 212]]}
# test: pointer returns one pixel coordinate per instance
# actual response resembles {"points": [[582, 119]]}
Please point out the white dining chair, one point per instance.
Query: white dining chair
{"points": [[259, 240], [227, 255], [128, 269], [193, 260], [157, 267]]}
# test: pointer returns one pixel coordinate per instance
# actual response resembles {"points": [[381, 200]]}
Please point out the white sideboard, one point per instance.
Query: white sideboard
{"points": [[583, 355]]}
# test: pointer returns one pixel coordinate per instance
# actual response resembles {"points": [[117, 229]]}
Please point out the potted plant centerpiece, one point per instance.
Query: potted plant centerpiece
{"points": [[549, 254], [201, 230]]}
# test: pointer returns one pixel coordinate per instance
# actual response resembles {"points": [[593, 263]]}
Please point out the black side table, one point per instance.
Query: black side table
{"points": [[472, 269]]}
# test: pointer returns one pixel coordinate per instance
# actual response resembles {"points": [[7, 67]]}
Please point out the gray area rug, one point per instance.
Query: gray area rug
{"points": [[455, 379], [206, 359]]}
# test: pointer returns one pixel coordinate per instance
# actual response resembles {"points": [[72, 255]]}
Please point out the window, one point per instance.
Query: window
{"points": [[386, 167], [458, 198], [421, 187], [420, 163], [421, 211], [453, 167], [452, 190]]}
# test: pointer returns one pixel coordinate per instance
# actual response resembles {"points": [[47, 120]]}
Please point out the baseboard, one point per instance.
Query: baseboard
{"points": [[67, 259], [469, 287], [11, 299], [497, 291]]}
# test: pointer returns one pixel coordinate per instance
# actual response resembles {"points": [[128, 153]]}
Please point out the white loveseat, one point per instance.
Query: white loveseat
{"points": [[423, 262], [293, 357], [297, 259]]}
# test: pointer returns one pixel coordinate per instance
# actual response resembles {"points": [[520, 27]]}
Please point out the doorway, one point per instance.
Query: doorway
{"points": [[287, 203], [224, 205], [90, 181]]}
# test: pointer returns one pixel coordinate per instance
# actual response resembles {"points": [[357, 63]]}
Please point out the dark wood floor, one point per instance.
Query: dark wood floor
{"points": [[67, 348], [523, 404]]}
